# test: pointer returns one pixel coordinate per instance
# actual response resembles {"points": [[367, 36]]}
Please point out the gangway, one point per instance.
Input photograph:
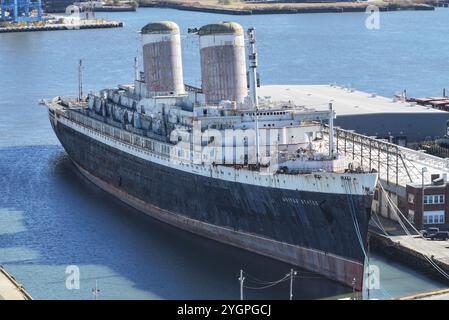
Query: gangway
{"points": [[396, 165]]}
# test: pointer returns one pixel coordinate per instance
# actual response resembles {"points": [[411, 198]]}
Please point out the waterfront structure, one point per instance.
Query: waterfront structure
{"points": [[77, 18], [402, 174], [258, 174], [21, 10], [376, 130]]}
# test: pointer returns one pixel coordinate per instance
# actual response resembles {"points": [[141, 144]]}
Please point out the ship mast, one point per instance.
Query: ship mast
{"points": [[253, 84], [252, 68], [136, 69], [80, 80], [331, 131]]}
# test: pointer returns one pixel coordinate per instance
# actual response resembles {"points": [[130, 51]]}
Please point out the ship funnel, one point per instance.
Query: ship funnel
{"points": [[162, 58], [223, 67]]}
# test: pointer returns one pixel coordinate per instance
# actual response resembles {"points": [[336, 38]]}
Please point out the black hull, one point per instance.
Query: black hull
{"points": [[318, 235]]}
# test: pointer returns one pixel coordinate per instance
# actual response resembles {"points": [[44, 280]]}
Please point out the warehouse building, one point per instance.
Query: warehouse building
{"points": [[369, 114]]}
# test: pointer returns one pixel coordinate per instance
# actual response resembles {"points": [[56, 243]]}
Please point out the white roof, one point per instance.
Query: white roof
{"points": [[345, 101]]}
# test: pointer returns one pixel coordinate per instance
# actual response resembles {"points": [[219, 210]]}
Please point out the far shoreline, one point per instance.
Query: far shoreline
{"points": [[253, 8]]}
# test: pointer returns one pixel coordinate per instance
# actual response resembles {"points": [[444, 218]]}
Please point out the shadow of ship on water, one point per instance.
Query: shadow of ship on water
{"points": [[68, 221]]}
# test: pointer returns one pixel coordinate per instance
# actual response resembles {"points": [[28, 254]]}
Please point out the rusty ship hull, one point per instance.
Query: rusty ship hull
{"points": [[311, 230]]}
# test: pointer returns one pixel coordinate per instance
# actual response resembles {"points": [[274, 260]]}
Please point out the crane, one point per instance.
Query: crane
{"points": [[21, 10]]}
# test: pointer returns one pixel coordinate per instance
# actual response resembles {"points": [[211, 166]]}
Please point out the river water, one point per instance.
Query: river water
{"points": [[50, 218]]}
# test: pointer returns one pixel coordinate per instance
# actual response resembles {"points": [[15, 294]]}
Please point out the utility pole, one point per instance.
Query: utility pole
{"points": [[353, 289], [423, 171], [241, 279], [369, 272], [80, 80], [96, 291], [292, 273]]}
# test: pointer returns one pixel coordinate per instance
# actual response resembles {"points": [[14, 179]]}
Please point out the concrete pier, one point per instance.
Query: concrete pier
{"points": [[63, 26], [414, 251], [432, 295], [123, 8], [10, 289]]}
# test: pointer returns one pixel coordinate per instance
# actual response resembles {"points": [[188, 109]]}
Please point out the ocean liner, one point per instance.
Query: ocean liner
{"points": [[220, 161]]}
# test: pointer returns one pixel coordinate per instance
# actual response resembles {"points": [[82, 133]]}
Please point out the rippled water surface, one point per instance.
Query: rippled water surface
{"points": [[51, 218]]}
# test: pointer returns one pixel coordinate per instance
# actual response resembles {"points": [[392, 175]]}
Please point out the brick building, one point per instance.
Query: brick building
{"points": [[435, 204]]}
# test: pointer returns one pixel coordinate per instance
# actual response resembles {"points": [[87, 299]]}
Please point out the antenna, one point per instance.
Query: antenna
{"points": [[80, 80]]}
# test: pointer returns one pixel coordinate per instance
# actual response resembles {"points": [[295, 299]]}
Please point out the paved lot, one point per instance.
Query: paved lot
{"points": [[435, 295], [438, 249]]}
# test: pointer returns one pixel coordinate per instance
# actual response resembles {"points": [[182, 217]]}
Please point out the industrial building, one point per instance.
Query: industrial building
{"points": [[21, 10], [368, 114]]}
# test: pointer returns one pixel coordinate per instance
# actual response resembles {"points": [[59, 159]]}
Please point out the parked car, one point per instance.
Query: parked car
{"points": [[429, 232], [442, 235]]}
